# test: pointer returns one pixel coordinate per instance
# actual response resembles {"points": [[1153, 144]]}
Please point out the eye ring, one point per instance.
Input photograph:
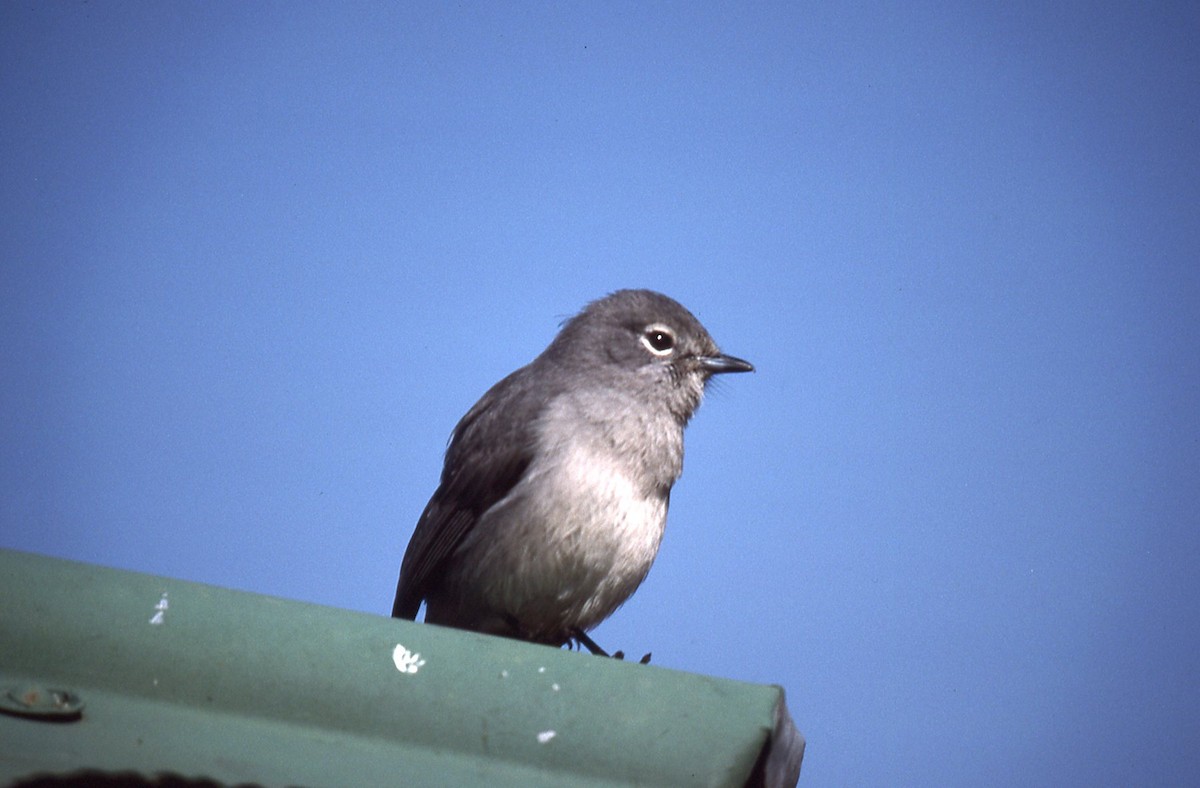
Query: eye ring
{"points": [[659, 340]]}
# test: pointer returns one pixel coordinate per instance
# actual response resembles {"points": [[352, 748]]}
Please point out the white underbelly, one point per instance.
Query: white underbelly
{"points": [[570, 544]]}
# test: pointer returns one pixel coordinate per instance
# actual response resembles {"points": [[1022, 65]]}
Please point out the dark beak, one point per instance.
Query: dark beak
{"points": [[714, 365]]}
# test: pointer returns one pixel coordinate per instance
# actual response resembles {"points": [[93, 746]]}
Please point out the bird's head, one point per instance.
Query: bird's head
{"points": [[641, 339]]}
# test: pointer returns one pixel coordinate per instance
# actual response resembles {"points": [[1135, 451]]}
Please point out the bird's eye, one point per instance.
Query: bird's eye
{"points": [[658, 340]]}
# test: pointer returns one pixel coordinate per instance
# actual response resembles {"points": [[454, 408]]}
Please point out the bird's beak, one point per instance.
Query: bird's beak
{"points": [[714, 365]]}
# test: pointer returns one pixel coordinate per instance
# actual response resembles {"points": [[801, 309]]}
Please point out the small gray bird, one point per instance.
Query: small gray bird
{"points": [[553, 497]]}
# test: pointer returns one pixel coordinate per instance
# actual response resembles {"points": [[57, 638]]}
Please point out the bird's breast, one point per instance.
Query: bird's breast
{"points": [[578, 534], [595, 508], [601, 479], [580, 537]]}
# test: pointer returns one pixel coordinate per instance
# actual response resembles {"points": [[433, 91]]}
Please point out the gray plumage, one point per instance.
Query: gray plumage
{"points": [[553, 497]]}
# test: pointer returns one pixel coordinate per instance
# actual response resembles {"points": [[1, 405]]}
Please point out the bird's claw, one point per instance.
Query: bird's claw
{"points": [[580, 638]]}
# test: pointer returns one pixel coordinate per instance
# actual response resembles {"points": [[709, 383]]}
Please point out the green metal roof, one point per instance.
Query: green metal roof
{"points": [[149, 674]]}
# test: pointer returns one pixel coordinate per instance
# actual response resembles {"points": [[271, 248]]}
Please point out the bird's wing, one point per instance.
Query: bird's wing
{"points": [[488, 454]]}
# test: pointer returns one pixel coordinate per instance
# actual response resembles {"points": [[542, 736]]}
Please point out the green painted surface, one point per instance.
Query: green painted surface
{"points": [[236, 687]]}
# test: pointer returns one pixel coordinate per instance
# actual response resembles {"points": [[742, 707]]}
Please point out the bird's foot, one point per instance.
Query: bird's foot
{"points": [[580, 638]]}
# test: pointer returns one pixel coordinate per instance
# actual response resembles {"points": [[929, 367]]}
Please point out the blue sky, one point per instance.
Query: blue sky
{"points": [[257, 259]]}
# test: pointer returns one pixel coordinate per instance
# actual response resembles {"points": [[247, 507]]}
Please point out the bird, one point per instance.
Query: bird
{"points": [[553, 495]]}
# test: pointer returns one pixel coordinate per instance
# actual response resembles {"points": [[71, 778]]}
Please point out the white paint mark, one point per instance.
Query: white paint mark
{"points": [[546, 736], [555, 687], [406, 661], [160, 610], [542, 670]]}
